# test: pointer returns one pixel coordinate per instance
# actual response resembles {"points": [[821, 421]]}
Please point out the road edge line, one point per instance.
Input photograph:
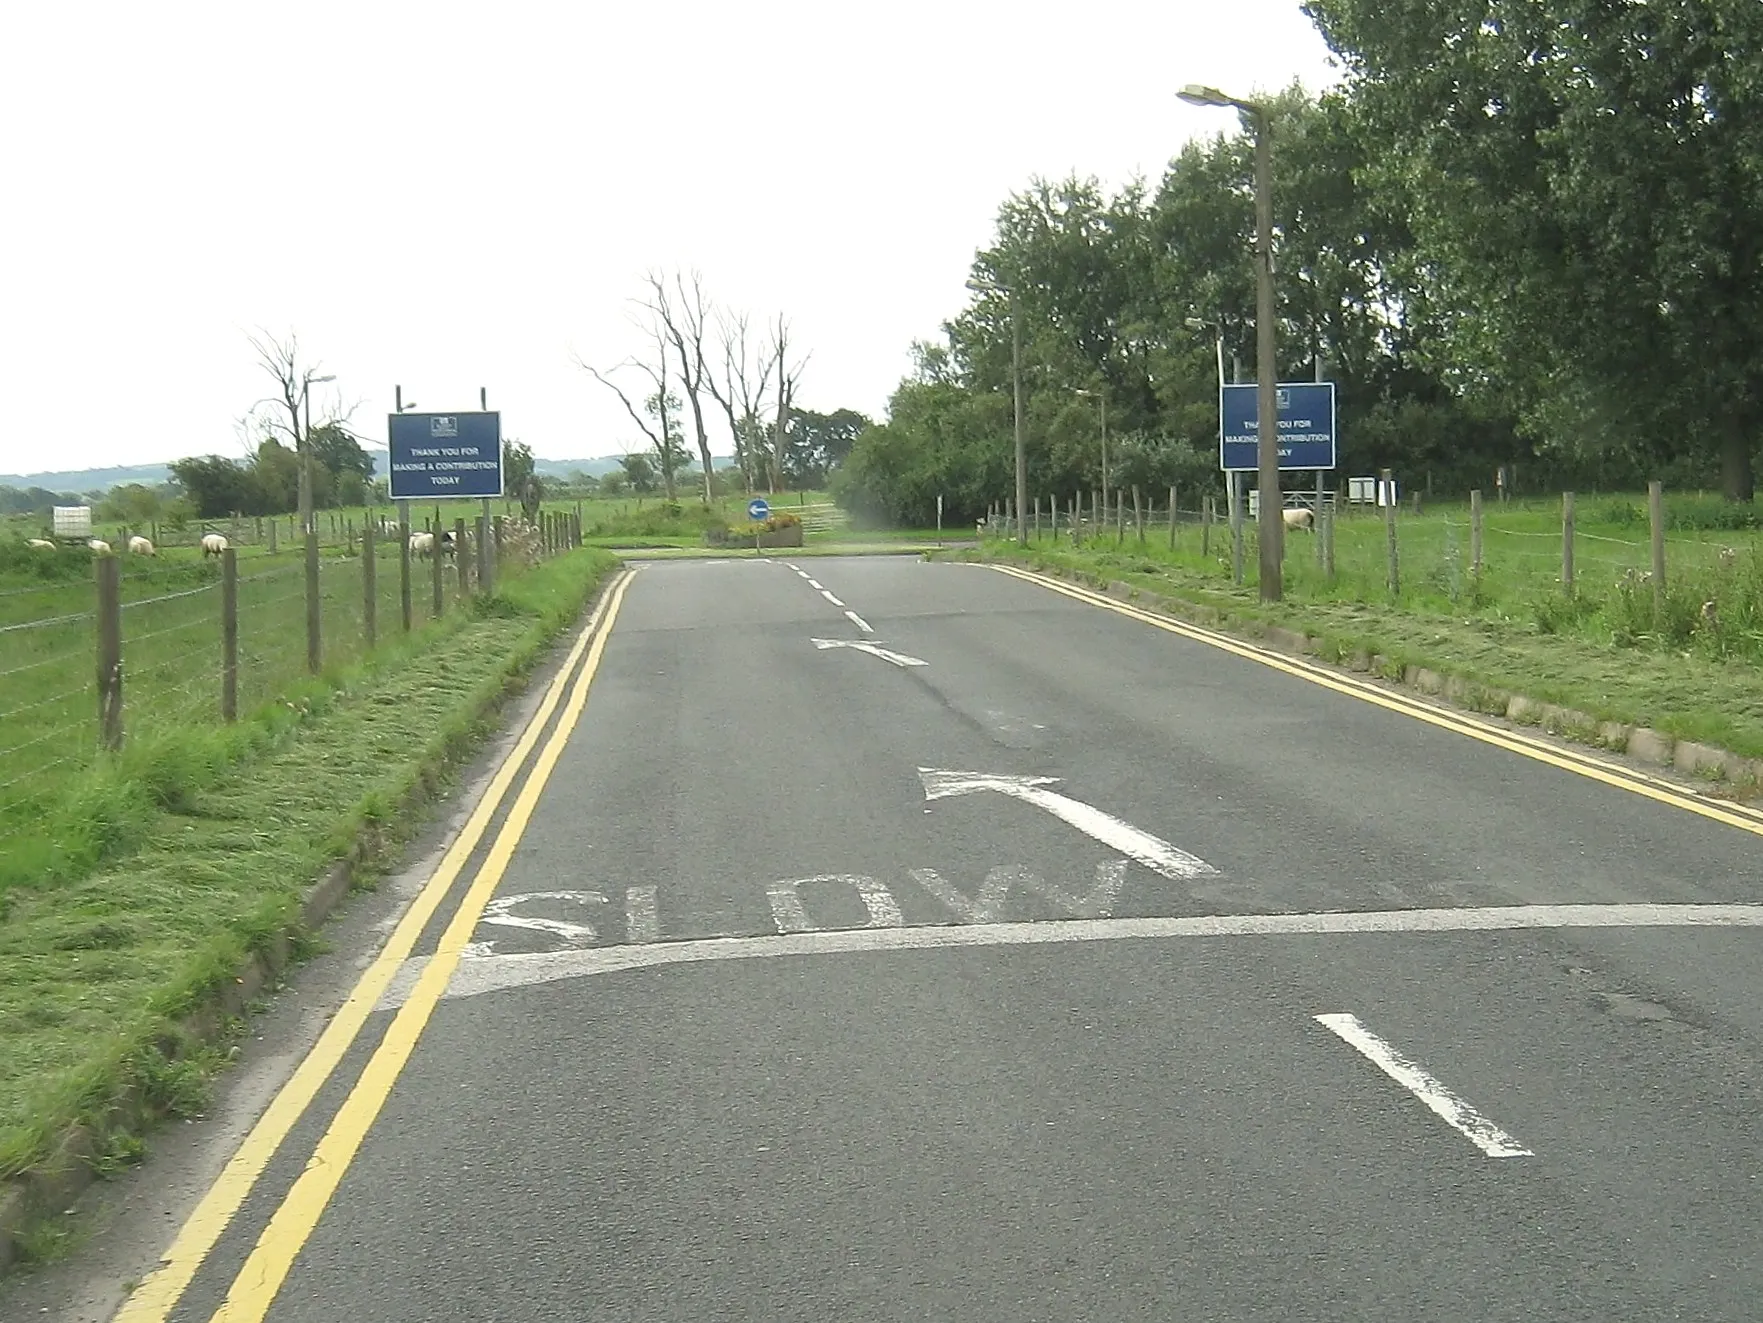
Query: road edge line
{"points": [[161, 1290], [260, 1280], [1577, 762]]}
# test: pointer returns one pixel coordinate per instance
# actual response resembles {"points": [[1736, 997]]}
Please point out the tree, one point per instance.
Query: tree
{"points": [[741, 392], [817, 443], [683, 321], [1583, 182], [283, 414], [520, 478], [275, 474], [656, 419], [215, 485], [639, 473], [788, 377]]}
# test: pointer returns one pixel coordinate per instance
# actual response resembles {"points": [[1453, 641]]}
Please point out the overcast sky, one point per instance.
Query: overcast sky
{"points": [[449, 196]]}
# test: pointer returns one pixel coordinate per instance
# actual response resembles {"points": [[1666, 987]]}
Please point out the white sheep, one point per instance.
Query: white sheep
{"points": [[100, 546], [1299, 518], [212, 545], [422, 545], [41, 544], [140, 546]]}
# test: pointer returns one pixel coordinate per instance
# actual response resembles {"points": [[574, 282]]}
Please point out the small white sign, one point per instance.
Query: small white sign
{"points": [[441, 425]]}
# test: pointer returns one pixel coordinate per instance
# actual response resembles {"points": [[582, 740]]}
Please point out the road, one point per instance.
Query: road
{"points": [[876, 939]]}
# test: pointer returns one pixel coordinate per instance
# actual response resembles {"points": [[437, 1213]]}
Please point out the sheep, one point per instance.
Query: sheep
{"points": [[212, 545], [422, 545], [140, 546], [1299, 518], [100, 546], [389, 527], [41, 544]]}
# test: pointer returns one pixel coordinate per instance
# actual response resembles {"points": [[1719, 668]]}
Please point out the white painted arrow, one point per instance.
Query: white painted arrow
{"points": [[1153, 852], [874, 649]]}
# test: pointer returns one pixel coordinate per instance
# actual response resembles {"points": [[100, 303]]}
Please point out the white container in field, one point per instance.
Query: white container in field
{"points": [[73, 521]]}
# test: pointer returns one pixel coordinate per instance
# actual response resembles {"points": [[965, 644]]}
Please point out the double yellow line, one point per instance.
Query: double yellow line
{"points": [[256, 1285], [1568, 760]]}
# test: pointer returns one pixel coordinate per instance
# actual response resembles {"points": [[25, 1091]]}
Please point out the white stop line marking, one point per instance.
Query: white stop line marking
{"points": [[1456, 1113]]}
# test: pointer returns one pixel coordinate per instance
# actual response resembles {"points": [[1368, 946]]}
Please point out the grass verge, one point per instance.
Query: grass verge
{"points": [[103, 979], [1685, 694]]}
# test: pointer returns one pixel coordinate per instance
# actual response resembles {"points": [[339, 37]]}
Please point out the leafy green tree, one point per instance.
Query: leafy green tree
{"points": [[638, 472], [215, 485], [1583, 181]]}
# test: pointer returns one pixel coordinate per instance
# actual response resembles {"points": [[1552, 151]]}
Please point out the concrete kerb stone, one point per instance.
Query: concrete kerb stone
{"points": [[53, 1186], [1639, 742]]}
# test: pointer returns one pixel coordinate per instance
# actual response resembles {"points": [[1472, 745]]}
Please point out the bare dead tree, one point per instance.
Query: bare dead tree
{"points": [[660, 404], [294, 382], [745, 372], [787, 379], [684, 321]]}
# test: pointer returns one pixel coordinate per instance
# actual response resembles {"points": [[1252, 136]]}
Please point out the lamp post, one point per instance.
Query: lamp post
{"points": [[1101, 396], [981, 286], [1270, 523]]}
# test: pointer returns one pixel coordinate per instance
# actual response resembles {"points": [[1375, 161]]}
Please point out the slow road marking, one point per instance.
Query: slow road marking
{"points": [[1456, 1113], [494, 973], [156, 1297]]}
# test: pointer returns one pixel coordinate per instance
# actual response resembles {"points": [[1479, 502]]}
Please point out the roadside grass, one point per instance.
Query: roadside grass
{"points": [[1692, 689], [62, 805], [97, 974]]}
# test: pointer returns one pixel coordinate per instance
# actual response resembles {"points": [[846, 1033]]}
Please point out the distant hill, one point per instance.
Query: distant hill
{"points": [[88, 480], [102, 480]]}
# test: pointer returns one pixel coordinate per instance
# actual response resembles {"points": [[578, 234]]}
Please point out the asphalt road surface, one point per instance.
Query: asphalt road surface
{"points": [[1029, 961]]}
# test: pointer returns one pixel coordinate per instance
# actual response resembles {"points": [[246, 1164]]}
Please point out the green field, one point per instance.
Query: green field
{"points": [[172, 661], [1520, 575]]}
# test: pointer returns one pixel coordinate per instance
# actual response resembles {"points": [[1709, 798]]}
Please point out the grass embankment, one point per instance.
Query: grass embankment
{"points": [[1694, 671], [97, 974]]}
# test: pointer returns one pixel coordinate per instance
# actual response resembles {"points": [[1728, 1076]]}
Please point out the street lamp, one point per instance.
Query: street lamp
{"points": [[1270, 523], [1102, 397], [982, 286]]}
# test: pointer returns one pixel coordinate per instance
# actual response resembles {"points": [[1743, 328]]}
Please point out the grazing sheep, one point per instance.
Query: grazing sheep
{"points": [[422, 545], [140, 546], [389, 527], [41, 544], [1299, 518], [449, 544], [212, 545], [100, 546]]}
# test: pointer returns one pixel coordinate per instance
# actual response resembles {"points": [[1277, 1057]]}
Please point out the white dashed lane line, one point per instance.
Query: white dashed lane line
{"points": [[821, 588]]}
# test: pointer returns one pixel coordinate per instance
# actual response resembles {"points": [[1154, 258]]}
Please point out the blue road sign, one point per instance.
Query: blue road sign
{"points": [[444, 454], [1306, 416], [758, 510]]}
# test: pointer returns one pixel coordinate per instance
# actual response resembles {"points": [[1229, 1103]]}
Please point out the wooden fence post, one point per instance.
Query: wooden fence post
{"points": [[1205, 525], [369, 584], [1567, 542], [1172, 517], [109, 577], [1475, 535], [1138, 514], [272, 528], [314, 647], [1656, 517], [404, 612], [1119, 516], [1328, 518], [461, 560], [1394, 577], [436, 568], [486, 555], [229, 633]]}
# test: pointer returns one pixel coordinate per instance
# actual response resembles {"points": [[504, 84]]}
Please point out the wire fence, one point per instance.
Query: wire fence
{"points": [[1627, 574], [169, 625]]}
